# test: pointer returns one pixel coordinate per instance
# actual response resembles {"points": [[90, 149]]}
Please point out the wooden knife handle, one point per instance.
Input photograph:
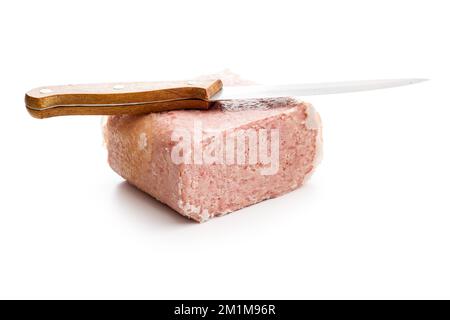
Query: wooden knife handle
{"points": [[120, 98]]}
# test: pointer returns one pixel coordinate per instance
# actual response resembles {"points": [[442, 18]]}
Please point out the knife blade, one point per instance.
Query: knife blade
{"points": [[146, 97], [308, 89]]}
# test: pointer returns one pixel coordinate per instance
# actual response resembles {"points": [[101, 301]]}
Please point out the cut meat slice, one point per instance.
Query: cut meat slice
{"points": [[208, 163]]}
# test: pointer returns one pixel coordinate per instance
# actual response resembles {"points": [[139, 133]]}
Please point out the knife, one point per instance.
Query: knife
{"points": [[146, 97]]}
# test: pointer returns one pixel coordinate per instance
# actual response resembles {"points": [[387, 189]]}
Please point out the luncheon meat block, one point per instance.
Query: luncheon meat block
{"points": [[208, 163]]}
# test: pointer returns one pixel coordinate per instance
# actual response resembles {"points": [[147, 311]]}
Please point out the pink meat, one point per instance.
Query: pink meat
{"points": [[140, 149]]}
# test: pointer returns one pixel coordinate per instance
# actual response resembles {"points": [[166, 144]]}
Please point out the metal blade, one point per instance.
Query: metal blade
{"points": [[309, 89]]}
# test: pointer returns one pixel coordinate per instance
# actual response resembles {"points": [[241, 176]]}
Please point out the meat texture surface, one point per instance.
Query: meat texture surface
{"points": [[208, 163]]}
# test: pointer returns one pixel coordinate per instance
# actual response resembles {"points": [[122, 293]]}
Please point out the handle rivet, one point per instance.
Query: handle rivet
{"points": [[118, 87], [45, 91]]}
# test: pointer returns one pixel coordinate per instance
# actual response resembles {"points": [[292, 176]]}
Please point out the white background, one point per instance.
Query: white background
{"points": [[373, 222]]}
